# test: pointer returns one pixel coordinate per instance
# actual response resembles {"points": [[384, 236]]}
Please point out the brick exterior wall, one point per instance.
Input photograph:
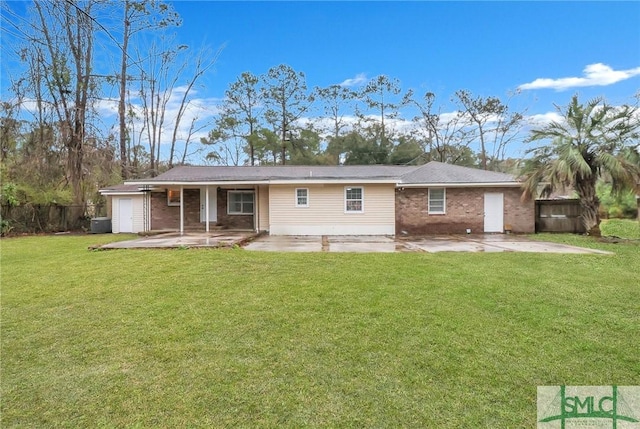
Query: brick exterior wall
{"points": [[233, 221], [464, 209], [164, 216]]}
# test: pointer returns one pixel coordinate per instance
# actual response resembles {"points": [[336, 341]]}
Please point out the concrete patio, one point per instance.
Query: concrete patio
{"points": [[489, 243], [431, 244], [326, 243], [191, 239]]}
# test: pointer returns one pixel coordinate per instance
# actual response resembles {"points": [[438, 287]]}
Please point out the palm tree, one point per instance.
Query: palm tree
{"points": [[592, 141]]}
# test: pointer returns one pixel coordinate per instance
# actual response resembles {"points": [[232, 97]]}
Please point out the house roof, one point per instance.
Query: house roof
{"points": [[121, 189], [285, 172], [440, 173], [433, 173]]}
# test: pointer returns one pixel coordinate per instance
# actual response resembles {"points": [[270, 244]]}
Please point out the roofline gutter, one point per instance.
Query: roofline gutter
{"points": [[461, 185], [199, 183], [112, 192], [395, 182], [331, 181], [157, 184]]}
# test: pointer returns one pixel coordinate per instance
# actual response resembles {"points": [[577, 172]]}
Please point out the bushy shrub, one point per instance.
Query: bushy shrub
{"points": [[5, 227], [9, 194], [619, 206]]}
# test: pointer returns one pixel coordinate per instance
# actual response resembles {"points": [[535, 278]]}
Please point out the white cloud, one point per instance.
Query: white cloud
{"points": [[594, 75], [107, 107], [542, 119], [360, 79]]}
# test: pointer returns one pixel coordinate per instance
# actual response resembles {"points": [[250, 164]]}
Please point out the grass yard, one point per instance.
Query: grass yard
{"points": [[229, 338]]}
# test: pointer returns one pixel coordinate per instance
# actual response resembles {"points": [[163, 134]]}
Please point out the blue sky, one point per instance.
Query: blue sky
{"points": [[548, 50], [489, 48]]}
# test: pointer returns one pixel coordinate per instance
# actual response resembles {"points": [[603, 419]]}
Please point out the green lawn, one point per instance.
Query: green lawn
{"points": [[230, 338]]}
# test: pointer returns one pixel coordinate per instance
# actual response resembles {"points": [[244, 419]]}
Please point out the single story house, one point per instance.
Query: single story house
{"points": [[434, 198]]}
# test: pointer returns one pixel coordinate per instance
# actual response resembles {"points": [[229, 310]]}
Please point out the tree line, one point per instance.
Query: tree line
{"points": [[275, 119], [56, 146]]}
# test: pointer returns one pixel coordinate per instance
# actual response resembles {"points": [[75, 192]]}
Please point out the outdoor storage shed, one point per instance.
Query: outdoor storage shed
{"points": [[126, 209]]}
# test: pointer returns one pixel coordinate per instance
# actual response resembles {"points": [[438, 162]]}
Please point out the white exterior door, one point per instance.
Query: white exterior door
{"points": [[213, 205], [493, 212], [125, 215]]}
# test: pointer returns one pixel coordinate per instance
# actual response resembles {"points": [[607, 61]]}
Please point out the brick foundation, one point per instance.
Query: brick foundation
{"points": [[464, 210]]}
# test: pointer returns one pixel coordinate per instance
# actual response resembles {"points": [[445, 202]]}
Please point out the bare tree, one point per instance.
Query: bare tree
{"points": [[138, 16], [492, 121], [157, 83], [446, 133], [62, 43], [202, 62], [165, 103], [194, 128]]}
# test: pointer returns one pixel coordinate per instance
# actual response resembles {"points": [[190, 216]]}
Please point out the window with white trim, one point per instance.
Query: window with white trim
{"points": [[240, 202], [353, 200], [302, 197], [173, 197], [437, 201]]}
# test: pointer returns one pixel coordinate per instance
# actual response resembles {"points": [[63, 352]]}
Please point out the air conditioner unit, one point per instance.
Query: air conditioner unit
{"points": [[100, 225]]}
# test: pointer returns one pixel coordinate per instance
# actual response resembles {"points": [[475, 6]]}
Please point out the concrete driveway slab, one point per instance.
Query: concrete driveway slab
{"points": [[433, 245], [542, 247], [361, 244], [492, 243], [281, 243]]}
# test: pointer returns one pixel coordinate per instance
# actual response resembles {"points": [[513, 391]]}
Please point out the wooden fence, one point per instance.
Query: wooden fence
{"points": [[36, 218], [559, 216]]}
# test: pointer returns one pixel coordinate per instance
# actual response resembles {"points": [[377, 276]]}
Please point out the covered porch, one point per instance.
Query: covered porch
{"points": [[209, 207]]}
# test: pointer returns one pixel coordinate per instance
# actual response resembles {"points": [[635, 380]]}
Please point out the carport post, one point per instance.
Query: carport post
{"points": [[181, 210], [206, 208], [256, 210]]}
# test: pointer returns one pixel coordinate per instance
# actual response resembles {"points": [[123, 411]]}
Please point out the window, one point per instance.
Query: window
{"points": [[240, 202], [353, 200], [437, 201], [173, 197], [302, 197]]}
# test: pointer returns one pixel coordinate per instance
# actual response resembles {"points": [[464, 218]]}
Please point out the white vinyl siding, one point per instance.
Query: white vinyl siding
{"points": [[137, 207], [326, 212], [263, 208], [437, 201]]}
